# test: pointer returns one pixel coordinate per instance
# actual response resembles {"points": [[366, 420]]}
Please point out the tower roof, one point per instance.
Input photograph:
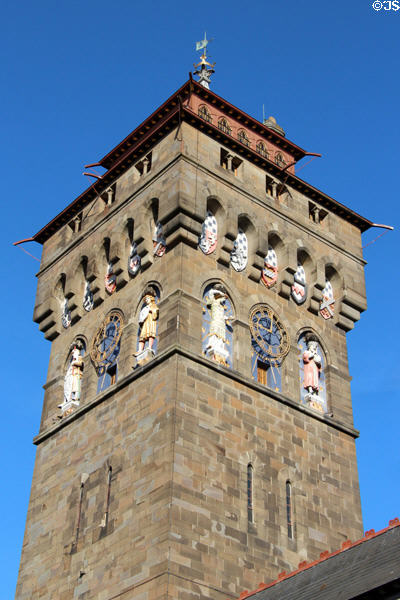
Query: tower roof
{"points": [[169, 115]]}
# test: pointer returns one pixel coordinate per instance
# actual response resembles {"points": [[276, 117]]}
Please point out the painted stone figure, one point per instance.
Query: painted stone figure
{"points": [[217, 342], [88, 301], [299, 287], [327, 306], [312, 373], [110, 280], [239, 252], [72, 382], [65, 315], [148, 318], [134, 260], [269, 273], [209, 234], [159, 243]]}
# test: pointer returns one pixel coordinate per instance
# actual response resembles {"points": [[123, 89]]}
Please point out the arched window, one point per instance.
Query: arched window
{"points": [[289, 515], [242, 137], [279, 160], [217, 332], [106, 348], [250, 508], [223, 125], [261, 149], [204, 113], [312, 372]]}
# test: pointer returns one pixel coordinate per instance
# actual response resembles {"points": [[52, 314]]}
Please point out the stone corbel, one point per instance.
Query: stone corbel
{"points": [[316, 289], [350, 307], [256, 262], [48, 315], [144, 243], [227, 239], [286, 271], [96, 280]]}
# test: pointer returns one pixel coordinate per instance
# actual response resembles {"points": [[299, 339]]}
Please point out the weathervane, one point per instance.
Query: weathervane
{"points": [[204, 72]]}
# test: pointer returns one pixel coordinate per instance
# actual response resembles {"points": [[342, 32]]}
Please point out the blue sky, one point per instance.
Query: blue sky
{"points": [[78, 76]]}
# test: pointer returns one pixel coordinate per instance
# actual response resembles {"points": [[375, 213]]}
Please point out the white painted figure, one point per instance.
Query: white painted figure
{"points": [[215, 346]]}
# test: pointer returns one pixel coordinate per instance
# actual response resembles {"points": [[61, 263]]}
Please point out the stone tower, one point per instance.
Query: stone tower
{"points": [[197, 434]]}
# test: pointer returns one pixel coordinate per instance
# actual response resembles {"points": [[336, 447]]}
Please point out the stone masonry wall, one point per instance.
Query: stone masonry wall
{"points": [[179, 432]]}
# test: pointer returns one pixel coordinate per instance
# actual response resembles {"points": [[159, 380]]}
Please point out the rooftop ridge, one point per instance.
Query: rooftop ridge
{"points": [[304, 565]]}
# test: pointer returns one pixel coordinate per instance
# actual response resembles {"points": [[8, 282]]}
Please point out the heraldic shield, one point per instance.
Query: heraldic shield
{"points": [[110, 280], [299, 287], [134, 261], [209, 234], [239, 252], [269, 273], [327, 306]]}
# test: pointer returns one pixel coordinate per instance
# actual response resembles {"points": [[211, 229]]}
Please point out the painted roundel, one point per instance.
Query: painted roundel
{"points": [[105, 346], [270, 339]]}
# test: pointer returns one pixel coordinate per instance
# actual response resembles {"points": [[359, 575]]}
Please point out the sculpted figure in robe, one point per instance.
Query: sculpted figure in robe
{"points": [[148, 322], [312, 367], [218, 322]]}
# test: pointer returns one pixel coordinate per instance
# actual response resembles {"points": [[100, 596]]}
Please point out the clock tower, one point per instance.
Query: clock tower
{"points": [[197, 435]]}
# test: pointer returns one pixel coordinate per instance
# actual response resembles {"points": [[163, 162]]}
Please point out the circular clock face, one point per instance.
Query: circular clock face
{"points": [[105, 345], [270, 339]]}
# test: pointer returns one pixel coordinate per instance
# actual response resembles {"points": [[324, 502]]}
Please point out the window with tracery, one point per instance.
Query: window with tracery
{"points": [[279, 160], [242, 137], [261, 149], [223, 125], [204, 113]]}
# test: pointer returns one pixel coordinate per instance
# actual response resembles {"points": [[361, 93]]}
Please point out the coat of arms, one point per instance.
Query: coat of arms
{"points": [[269, 273], [209, 234], [134, 260], [327, 306], [159, 243], [65, 315], [299, 287], [110, 280], [88, 298], [239, 252]]}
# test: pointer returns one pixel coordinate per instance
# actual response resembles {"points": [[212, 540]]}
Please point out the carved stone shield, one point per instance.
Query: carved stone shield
{"points": [[110, 280], [134, 261], [209, 234], [269, 273], [239, 252], [88, 298], [299, 287], [327, 306], [65, 315], [159, 243]]}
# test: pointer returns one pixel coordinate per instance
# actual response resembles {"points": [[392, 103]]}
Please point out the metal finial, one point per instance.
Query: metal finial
{"points": [[206, 69]]}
